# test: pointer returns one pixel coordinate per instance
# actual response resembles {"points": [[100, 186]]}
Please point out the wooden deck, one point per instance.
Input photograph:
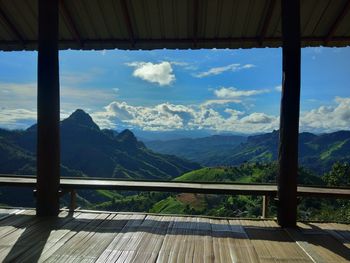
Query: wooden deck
{"points": [[87, 236]]}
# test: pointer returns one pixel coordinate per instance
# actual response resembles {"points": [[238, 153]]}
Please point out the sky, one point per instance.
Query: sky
{"points": [[217, 91]]}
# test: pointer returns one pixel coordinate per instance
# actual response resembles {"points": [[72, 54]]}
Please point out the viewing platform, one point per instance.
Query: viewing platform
{"points": [[93, 236]]}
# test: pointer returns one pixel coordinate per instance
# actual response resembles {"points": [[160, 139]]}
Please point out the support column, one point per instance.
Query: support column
{"points": [[289, 118], [48, 145]]}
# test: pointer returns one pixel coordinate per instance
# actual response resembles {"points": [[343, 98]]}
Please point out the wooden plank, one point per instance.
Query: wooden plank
{"points": [[31, 238], [320, 246], [41, 245], [203, 251], [326, 192], [121, 245], [18, 220], [154, 228], [103, 236], [70, 250], [214, 188], [340, 231], [176, 246], [231, 243], [61, 236], [264, 254], [272, 244]]}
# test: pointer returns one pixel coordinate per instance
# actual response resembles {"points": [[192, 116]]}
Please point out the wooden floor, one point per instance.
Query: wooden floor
{"points": [[87, 236]]}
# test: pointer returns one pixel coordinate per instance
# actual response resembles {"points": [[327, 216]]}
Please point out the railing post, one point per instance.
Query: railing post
{"points": [[265, 206], [289, 119], [73, 200], [48, 144]]}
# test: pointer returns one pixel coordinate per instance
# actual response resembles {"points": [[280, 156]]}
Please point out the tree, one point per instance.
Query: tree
{"points": [[339, 175]]}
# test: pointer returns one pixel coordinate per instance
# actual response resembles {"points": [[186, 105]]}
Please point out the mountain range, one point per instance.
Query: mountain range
{"points": [[201, 150], [87, 149], [316, 152]]}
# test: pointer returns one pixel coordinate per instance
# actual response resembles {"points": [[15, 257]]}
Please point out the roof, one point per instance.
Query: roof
{"points": [[174, 24]]}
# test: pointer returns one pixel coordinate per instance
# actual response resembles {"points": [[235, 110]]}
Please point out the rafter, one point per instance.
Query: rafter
{"points": [[111, 43], [267, 20], [11, 26], [70, 23], [195, 22], [337, 22], [127, 21]]}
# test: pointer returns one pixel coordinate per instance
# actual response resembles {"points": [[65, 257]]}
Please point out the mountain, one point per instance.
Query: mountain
{"points": [[94, 152], [200, 150], [316, 152]]}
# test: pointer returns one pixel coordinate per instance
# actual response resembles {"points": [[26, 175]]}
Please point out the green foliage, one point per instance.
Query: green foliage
{"points": [[339, 175], [169, 205]]}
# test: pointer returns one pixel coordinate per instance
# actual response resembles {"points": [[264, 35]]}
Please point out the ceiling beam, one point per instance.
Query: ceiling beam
{"points": [[195, 22], [70, 23], [11, 26], [123, 43], [337, 22], [267, 20], [127, 21]]}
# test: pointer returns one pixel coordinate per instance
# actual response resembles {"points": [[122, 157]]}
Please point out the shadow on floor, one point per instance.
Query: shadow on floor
{"points": [[24, 237]]}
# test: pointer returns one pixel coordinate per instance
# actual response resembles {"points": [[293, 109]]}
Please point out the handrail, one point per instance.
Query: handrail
{"points": [[177, 186], [266, 190]]}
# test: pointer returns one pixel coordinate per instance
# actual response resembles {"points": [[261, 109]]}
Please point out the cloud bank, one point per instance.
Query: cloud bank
{"points": [[167, 116]]}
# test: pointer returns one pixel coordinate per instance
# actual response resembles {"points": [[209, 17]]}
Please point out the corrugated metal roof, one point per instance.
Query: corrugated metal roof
{"points": [[175, 24]]}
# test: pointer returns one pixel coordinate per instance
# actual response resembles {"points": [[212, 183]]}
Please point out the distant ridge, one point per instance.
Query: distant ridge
{"points": [[95, 152], [317, 152]]}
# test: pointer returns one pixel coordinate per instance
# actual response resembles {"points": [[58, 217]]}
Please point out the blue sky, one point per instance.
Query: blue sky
{"points": [[221, 91]]}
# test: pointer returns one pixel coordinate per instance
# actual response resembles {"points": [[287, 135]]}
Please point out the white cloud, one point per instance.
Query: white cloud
{"points": [[20, 95], [167, 116], [219, 102], [17, 118], [278, 88], [161, 73], [219, 70], [258, 117], [327, 118], [234, 93]]}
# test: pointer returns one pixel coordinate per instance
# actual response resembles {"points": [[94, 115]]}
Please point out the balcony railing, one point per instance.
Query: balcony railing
{"points": [[268, 191]]}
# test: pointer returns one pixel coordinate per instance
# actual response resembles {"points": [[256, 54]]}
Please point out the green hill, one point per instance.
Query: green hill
{"points": [[245, 173], [219, 205], [316, 152], [200, 150]]}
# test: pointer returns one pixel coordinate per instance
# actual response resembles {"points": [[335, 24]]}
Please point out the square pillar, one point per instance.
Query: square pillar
{"points": [[289, 116], [48, 144]]}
